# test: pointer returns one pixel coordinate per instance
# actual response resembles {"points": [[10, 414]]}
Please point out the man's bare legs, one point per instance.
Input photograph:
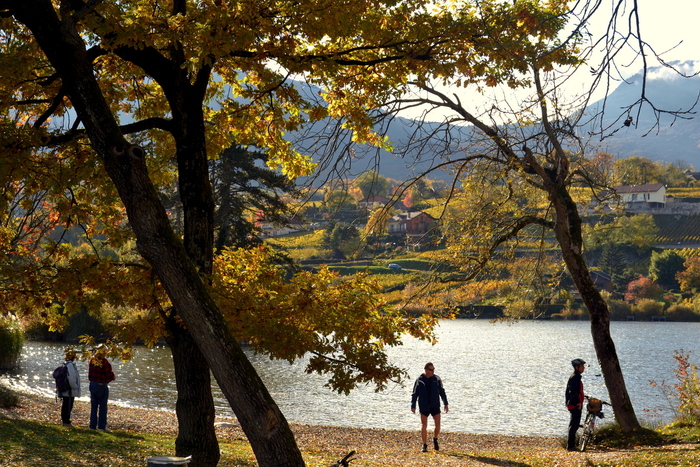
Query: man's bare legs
{"points": [[436, 420], [424, 429]]}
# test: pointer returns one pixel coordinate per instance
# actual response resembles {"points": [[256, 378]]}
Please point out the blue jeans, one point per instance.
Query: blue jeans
{"points": [[99, 393]]}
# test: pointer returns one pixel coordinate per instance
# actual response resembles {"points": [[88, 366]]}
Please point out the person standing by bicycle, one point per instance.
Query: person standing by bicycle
{"points": [[428, 391], [574, 401]]}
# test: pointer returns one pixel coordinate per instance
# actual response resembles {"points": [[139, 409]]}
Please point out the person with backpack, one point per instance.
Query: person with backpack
{"points": [[100, 375], [67, 385]]}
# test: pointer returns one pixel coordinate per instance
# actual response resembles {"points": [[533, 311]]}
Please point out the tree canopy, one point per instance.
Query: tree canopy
{"points": [[184, 82], [100, 100]]}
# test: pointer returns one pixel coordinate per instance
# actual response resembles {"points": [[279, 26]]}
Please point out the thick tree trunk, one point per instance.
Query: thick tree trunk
{"points": [[264, 425], [195, 404], [568, 232]]}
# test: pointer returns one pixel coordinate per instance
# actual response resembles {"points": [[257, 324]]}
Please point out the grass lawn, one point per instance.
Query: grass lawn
{"points": [[25, 443]]}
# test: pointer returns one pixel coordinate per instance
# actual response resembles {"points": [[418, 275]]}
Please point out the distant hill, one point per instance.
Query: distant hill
{"points": [[673, 140]]}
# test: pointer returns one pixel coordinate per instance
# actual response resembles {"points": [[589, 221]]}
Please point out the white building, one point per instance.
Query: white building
{"points": [[638, 196]]}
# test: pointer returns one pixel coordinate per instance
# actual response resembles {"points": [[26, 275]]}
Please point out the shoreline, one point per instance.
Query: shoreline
{"points": [[373, 446], [47, 409]]}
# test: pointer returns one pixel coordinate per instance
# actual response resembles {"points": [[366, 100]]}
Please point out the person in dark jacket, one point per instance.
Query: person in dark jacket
{"points": [[574, 401], [428, 391]]}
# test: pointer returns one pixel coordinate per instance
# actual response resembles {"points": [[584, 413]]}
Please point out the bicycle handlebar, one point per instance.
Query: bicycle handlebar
{"points": [[345, 461]]}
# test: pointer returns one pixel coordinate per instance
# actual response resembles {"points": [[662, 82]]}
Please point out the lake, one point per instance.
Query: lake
{"points": [[499, 377]]}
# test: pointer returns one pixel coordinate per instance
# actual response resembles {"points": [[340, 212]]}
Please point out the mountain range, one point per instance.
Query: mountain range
{"points": [[668, 140], [674, 138]]}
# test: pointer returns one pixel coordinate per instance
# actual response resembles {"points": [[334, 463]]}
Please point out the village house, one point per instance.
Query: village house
{"points": [[636, 197], [374, 201], [276, 229], [410, 224], [654, 195]]}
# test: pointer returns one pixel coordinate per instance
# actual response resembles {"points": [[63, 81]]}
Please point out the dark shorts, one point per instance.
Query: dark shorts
{"points": [[431, 411]]}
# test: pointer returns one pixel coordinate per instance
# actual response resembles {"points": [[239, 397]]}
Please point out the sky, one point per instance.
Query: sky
{"points": [[669, 26], [668, 22]]}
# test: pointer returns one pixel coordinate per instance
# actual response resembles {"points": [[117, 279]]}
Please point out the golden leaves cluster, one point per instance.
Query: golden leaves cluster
{"points": [[361, 53], [338, 321]]}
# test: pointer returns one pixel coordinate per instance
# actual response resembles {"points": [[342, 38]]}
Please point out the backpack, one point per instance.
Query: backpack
{"points": [[60, 374]]}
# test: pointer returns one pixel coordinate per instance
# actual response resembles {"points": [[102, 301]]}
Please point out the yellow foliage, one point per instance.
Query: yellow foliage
{"points": [[338, 319]]}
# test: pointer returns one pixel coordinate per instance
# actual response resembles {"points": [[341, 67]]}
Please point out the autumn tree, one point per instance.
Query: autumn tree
{"points": [[638, 231], [674, 174], [273, 311], [85, 76], [377, 223], [637, 171], [664, 267], [689, 278], [530, 144], [371, 183], [641, 288], [72, 70], [87, 62]]}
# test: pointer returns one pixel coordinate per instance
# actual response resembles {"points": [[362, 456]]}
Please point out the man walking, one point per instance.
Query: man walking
{"points": [[428, 391], [574, 401]]}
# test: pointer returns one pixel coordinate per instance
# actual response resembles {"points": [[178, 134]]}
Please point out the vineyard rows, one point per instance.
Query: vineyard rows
{"points": [[691, 192], [678, 229]]}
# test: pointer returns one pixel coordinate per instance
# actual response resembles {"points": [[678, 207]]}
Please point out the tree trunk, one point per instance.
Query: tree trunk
{"points": [[195, 404], [266, 428], [568, 232]]}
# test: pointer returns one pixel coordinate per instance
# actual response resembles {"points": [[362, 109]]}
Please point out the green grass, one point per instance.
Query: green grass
{"points": [[681, 432], [28, 443], [25, 443]]}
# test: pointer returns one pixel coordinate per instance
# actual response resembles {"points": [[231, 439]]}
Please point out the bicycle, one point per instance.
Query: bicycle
{"points": [[595, 411], [345, 461]]}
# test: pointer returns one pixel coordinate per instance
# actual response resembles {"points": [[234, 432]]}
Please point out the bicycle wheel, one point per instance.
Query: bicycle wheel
{"points": [[587, 435]]}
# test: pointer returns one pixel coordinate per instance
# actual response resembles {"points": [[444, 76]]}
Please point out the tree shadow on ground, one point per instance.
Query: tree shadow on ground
{"points": [[27, 442], [492, 461]]}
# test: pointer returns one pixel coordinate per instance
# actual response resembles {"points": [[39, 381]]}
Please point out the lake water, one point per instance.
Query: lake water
{"points": [[499, 377]]}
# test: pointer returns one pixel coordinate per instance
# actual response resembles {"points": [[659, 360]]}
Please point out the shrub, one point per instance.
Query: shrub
{"points": [[11, 340], [571, 314], [642, 287], [619, 309], [645, 308], [520, 308], [682, 313], [8, 397], [686, 389]]}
